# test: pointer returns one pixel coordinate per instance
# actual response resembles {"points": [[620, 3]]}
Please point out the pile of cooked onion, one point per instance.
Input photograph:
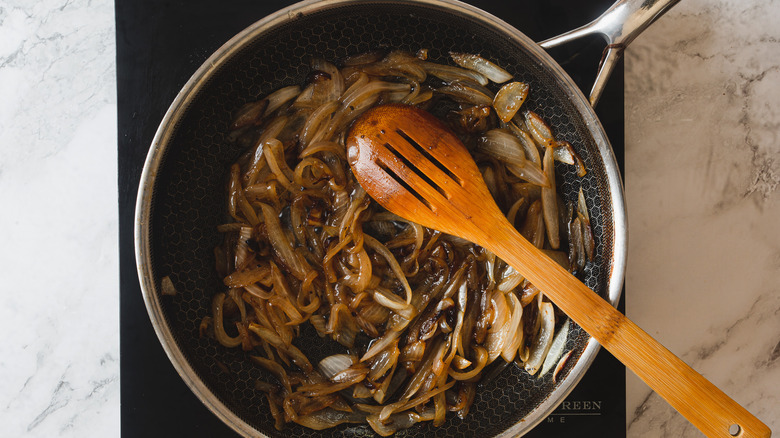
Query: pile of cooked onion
{"points": [[420, 314]]}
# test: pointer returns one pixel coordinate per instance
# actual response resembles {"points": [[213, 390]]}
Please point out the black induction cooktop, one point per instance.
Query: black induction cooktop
{"points": [[160, 44]]}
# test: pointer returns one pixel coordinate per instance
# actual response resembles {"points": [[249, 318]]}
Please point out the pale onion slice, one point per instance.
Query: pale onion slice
{"points": [[332, 365], [412, 94], [280, 97], [448, 73], [481, 65], [374, 313], [167, 287], [237, 200], [490, 266], [530, 173], [587, 238], [529, 145], [543, 341], [320, 324], [384, 361], [556, 349], [489, 176], [541, 133], [265, 191], [510, 279], [565, 153], [466, 93], [550, 202], [504, 146], [515, 332], [267, 335], [394, 303], [360, 79], [499, 328], [587, 233], [582, 207], [305, 97], [319, 118], [533, 227], [353, 374], [509, 99]]}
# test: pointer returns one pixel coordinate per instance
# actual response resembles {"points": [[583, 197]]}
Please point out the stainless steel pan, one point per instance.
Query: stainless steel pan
{"points": [[181, 195]]}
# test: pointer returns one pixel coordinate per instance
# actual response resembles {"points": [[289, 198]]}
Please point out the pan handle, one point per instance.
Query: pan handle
{"points": [[619, 25]]}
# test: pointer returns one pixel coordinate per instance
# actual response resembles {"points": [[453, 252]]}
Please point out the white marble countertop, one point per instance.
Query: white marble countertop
{"points": [[702, 176]]}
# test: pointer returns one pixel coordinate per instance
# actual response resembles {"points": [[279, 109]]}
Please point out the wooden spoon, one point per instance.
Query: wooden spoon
{"points": [[410, 163]]}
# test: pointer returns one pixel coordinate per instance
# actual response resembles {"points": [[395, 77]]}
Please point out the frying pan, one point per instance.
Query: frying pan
{"points": [[181, 194]]}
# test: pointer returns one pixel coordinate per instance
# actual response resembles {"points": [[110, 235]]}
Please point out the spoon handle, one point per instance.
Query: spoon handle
{"points": [[696, 398]]}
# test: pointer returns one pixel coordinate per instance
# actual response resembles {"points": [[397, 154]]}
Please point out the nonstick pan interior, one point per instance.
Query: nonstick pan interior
{"points": [[182, 196]]}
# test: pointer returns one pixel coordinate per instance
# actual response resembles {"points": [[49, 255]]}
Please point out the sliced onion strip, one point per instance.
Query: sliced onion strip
{"points": [[541, 344], [481, 65]]}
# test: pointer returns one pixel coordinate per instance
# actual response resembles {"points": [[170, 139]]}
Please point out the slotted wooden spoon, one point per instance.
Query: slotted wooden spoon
{"points": [[410, 163]]}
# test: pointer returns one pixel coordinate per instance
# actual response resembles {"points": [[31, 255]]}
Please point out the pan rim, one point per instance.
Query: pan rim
{"points": [[166, 130]]}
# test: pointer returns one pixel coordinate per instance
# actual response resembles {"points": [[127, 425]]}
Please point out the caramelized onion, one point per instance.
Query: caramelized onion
{"points": [[218, 321], [419, 314], [281, 244]]}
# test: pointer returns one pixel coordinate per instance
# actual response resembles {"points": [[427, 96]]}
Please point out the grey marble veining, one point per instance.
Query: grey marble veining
{"points": [[702, 175], [59, 363]]}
